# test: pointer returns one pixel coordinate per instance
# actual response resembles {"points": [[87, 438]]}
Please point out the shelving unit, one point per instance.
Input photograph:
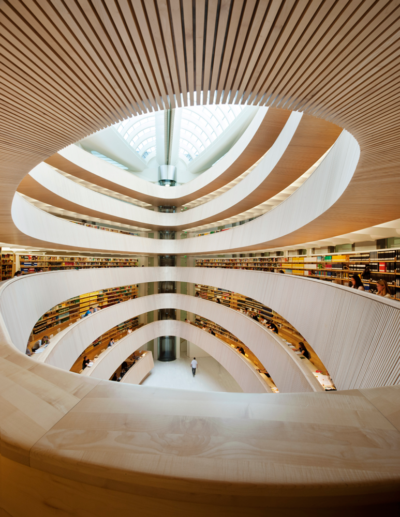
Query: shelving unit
{"points": [[333, 268], [60, 317], [239, 302], [100, 344], [33, 263], [105, 228], [7, 269], [286, 330]]}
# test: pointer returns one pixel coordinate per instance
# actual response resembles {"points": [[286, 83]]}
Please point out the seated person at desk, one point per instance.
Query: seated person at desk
{"points": [[383, 288], [85, 362], [18, 273], [273, 327], [303, 350], [356, 283], [111, 343], [28, 352], [241, 350], [88, 312]]}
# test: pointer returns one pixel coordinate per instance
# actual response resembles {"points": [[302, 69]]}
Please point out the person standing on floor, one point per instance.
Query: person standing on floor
{"points": [[194, 366]]}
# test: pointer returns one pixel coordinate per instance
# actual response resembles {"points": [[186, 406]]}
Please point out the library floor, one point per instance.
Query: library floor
{"points": [[210, 376]]}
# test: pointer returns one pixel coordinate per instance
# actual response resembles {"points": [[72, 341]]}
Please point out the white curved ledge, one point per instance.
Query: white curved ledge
{"points": [[142, 189], [236, 365], [339, 323], [139, 370], [285, 367], [301, 208], [79, 198]]}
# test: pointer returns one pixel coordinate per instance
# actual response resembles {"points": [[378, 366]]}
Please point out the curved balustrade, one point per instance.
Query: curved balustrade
{"points": [[301, 143], [339, 323], [288, 220], [286, 369], [236, 365], [140, 370], [259, 136]]}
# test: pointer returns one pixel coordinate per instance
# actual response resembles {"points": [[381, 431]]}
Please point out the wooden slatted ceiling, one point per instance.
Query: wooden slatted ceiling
{"points": [[72, 68]]}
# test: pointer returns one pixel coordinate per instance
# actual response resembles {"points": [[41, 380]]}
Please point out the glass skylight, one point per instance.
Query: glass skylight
{"points": [[200, 126], [140, 133], [109, 160]]}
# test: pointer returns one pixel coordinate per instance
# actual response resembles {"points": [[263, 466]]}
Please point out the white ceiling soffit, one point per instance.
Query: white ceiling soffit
{"points": [[109, 143]]}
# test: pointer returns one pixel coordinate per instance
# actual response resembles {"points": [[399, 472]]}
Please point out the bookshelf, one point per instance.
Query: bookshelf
{"points": [[286, 331], [234, 342], [65, 314], [7, 265], [105, 228], [336, 268], [99, 345], [33, 263]]}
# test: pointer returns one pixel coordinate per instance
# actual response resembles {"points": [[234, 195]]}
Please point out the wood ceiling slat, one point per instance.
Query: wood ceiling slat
{"points": [[92, 43], [313, 17], [14, 46], [120, 58], [285, 24], [351, 65], [227, 64], [348, 102], [324, 33], [130, 56], [219, 44], [144, 55], [34, 90], [275, 21], [247, 39], [362, 71], [200, 7], [161, 51], [54, 45], [178, 36], [189, 40], [35, 74], [57, 121], [148, 42], [366, 25], [212, 7], [31, 54], [169, 47]]}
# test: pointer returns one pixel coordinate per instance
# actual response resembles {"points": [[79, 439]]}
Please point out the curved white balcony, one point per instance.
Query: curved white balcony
{"points": [[286, 369], [288, 221], [339, 323], [140, 370], [236, 365], [258, 137]]}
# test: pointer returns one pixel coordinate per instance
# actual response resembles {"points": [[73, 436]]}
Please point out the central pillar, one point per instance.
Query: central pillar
{"points": [[167, 344]]}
